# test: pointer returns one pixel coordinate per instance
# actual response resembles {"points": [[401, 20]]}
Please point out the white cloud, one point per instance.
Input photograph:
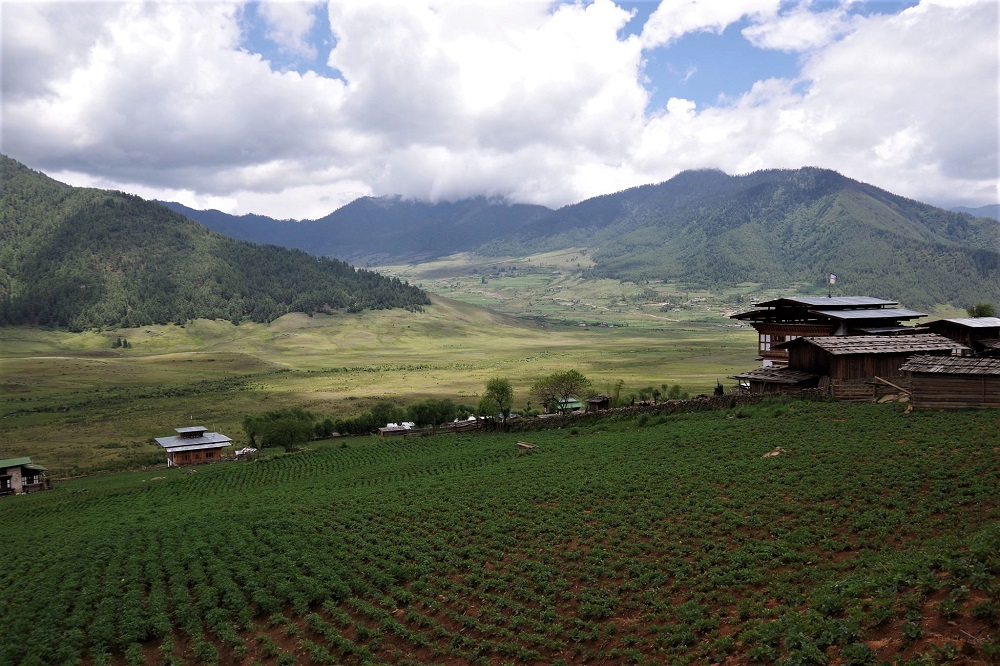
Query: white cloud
{"points": [[289, 24], [675, 18], [799, 29], [529, 100]]}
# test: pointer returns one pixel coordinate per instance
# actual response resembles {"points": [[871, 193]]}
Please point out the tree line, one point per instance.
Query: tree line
{"points": [[292, 426]]}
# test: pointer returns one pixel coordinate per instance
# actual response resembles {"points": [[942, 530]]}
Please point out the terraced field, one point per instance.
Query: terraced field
{"points": [[872, 535]]}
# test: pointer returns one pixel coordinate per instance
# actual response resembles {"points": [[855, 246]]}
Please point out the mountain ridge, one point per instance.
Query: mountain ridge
{"points": [[708, 228]]}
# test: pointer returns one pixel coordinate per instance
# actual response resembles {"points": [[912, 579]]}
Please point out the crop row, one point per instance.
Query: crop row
{"points": [[674, 541]]}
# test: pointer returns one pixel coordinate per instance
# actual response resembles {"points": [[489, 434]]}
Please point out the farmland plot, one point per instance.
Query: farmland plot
{"points": [[873, 534]]}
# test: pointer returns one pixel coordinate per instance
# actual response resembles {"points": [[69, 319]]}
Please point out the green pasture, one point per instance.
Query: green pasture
{"points": [[76, 404], [869, 535], [554, 286]]}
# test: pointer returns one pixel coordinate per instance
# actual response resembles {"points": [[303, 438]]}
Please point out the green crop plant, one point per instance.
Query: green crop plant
{"points": [[677, 540]]}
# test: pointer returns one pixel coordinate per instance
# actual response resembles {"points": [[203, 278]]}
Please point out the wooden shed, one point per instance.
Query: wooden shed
{"points": [[860, 357], [954, 381], [193, 446], [599, 403], [20, 475], [775, 380]]}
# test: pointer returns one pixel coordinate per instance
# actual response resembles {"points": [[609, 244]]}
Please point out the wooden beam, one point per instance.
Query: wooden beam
{"points": [[898, 388]]}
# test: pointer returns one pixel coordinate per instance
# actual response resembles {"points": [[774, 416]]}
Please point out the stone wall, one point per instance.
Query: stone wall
{"points": [[698, 404]]}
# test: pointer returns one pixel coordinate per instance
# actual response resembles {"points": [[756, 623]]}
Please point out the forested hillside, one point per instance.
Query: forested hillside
{"points": [[379, 230], [703, 228], [84, 258], [782, 227]]}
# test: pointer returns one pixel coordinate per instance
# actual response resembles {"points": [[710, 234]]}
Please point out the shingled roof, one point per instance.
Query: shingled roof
{"points": [[878, 344], [953, 365]]}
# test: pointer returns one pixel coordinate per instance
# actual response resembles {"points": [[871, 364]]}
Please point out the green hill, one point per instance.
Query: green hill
{"points": [[83, 258], [783, 227], [702, 228], [395, 229]]}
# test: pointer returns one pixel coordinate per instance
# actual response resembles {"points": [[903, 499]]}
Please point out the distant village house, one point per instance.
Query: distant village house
{"points": [[20, 475], [193, 446]]}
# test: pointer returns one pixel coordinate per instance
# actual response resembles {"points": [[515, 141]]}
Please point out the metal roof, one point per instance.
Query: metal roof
{"points": [[191, 429], [975, 322], [776, 376], [953, 365], [878, 344], [878, 313], [826, 301], [882, 330], [210, 440], [20, 462]]}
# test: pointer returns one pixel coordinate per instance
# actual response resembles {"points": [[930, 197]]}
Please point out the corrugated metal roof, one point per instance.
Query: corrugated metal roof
{"points": [[976, 322], [824, 301], [209, 440], [878, 344], [14, 462], [191, 429], [876, 313], [776, 375], [953, 365]]}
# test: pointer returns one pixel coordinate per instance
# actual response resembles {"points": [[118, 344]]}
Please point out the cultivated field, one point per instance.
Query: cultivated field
{"points": [[75, 403], [873, 535]]}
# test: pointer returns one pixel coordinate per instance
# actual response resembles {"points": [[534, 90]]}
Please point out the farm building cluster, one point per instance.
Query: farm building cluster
{"points": [[851, 346]]}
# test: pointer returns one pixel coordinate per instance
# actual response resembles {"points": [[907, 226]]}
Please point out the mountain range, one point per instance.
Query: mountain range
{"points": [[704, 228], [88, 258]]}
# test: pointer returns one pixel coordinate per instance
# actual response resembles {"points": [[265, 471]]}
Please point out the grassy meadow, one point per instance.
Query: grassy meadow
{"points": [[871, 536], [76, 404]]}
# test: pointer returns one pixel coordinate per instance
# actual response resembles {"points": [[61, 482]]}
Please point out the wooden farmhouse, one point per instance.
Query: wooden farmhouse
{"points": [[20, 475], [785, 319], [953, 381], [848, 365], [193, 446], [980, 334]]}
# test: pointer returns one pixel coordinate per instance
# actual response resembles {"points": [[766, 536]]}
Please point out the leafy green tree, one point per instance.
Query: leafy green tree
{"points": [[432, 412], [981, 310], [282, 427], [560, 386], [500, 393], [387, 412]]}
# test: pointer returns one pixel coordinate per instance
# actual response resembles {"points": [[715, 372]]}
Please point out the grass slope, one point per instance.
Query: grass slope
{"points": [[75, 404], [873, 536]]}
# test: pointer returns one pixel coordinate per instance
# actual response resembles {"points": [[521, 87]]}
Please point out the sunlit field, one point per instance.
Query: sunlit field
{"points": [[74, 403]]}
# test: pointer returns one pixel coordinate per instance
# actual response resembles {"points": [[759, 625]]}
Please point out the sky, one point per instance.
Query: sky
{"points": [[294, 109]]}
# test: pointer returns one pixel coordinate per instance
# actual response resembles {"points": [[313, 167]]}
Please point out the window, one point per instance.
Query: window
{"points": [[209, 454]]}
